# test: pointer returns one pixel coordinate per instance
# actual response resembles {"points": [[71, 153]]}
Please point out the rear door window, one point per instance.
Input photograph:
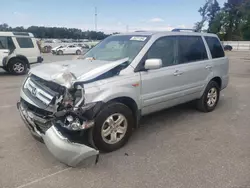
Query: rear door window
{"points": [[191, 49], [10, 43], [24, 42], [215, 47]]}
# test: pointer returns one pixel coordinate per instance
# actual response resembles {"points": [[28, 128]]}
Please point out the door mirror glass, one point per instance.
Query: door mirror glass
{"points": [[151, 64]]}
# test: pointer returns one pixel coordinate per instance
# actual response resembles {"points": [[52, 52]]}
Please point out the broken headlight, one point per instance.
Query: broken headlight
{"points": [[75, 123], [73, 98], [79, 118]]}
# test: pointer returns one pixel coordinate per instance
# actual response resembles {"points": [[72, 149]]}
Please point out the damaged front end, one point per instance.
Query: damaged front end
{"points": [[54, 108], [57, 115]]}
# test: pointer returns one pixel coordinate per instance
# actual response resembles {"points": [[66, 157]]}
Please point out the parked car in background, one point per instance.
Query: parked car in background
{"points": [[70, 49], [84, 46], [101, 97], [54, 50], [228, 48], [17, 51]]}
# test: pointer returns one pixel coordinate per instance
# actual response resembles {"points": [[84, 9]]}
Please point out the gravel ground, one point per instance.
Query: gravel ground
{"points": [[178, 148]]}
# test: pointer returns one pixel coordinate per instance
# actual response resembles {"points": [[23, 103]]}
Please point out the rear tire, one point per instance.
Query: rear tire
{"points": [[210, 97], [111, 134], [17, 67]]}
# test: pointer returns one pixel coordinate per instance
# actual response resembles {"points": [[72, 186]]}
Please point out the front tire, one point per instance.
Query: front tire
{"points": [[78, 52], [210, 97], [60, 52], [113, 127], [6, 69], [18, 67]]}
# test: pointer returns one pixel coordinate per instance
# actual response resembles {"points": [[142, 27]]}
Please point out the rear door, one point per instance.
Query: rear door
{"points": [[4, 51], [219, 63], [27, 48], [193, 65]]}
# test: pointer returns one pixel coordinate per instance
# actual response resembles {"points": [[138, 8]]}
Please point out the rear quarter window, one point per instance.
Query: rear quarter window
{"points": [[25, 42], [215, 47]]}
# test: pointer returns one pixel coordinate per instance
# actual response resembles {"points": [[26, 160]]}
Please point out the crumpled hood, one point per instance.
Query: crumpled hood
{"points": [[81, 70]]}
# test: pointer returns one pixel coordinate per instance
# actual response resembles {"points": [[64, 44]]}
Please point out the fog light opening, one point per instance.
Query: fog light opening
{"points": [[74, 123]]}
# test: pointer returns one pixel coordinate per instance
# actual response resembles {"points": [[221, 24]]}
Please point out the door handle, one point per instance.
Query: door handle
{"points": [[209, 67], [5, 52], [178, 73]]}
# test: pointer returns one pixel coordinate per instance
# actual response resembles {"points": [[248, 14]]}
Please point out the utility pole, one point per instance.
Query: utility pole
{"points": [[95, 19]]}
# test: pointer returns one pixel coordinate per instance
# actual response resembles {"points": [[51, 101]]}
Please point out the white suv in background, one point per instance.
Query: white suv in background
{"points": [[17, 51], [70, 49]]}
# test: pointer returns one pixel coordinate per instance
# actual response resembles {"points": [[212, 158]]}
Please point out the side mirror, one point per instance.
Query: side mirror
{"points": [[151, 64]]}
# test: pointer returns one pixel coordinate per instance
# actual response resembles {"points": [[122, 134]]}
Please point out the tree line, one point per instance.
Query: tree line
{"points": [[230, 22], [56, 32]]}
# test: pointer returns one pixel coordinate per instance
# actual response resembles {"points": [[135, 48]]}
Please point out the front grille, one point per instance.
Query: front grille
{"points": [[38, 92], [37, 111], [51, 85], [40, 119], [43, 93]]}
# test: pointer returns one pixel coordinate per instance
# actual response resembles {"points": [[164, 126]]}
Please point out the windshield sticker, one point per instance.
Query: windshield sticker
{"points": [[138, 38]]}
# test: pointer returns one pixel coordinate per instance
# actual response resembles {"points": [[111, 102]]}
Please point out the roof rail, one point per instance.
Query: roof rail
{"points": [[179, 30], [21, 33], [140, 31]]}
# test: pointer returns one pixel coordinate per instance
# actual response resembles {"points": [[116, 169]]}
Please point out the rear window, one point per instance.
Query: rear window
{"points": [[215, 47], [191, 49], [25, 42]]}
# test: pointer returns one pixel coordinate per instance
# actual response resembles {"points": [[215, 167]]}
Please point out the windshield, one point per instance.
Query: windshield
{"points": [[117, 47]]}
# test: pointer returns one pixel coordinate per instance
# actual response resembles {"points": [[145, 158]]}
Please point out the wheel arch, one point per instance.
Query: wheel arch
{"points": [[20, 57], [131, 104], [218, 80]]}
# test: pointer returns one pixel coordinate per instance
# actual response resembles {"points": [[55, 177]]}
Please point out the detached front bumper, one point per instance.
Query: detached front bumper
{"points": [[69, 153]]}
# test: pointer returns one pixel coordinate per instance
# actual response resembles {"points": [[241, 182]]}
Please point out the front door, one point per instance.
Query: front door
{"points": [[72, 49], [161, 87]]}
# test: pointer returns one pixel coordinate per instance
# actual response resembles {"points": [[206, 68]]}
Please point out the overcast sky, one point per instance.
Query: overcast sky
{"points": [[113, 15]]}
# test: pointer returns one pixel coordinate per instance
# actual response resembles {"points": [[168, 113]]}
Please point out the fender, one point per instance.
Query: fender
{"points": [[21, 57], [110, 94]]}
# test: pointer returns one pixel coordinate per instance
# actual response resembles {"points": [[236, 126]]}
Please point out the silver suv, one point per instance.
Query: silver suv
{"points": [[79, 107]]}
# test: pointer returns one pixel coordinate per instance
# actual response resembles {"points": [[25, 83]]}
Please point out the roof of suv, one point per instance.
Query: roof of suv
{"points": [[15, 34], [162, 33]]}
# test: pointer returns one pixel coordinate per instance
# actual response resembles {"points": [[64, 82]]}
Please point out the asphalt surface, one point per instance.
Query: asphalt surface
{"points": [[178, 148]]}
